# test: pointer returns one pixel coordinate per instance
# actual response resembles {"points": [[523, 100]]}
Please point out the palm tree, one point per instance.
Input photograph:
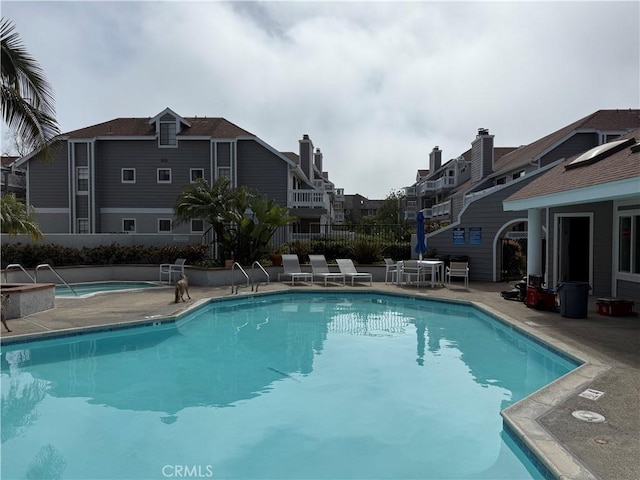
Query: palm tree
{"points": [[15, 218], [27, 98], [211, 203]]}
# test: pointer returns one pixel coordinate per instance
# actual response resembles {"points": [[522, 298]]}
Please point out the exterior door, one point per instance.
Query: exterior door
{"points": [[574, 248]]}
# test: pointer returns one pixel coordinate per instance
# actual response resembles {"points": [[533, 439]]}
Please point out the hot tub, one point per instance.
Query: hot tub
{"points": [[27, 298]]}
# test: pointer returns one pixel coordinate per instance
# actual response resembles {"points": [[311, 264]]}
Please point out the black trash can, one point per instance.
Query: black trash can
{"points": [[574, 299]]}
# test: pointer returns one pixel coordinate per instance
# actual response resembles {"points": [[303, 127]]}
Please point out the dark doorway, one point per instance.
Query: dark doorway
{"points": [[574, 252]]}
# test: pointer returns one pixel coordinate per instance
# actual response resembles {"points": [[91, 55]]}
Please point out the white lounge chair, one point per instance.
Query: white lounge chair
{"points": [[169, 269], [347, 268], [321, 269], [291, 267], [458, 269]]}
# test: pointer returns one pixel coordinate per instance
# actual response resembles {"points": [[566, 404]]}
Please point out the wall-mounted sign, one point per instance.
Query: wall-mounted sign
{"points": [[475, 235], [458, 236]]}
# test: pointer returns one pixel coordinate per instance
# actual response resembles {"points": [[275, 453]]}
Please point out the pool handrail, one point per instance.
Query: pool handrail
{"points": [[236, 264], [253, 265], [46, 265], [16, 265]]}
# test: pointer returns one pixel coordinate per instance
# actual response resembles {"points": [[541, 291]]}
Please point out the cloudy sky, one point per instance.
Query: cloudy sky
{"points": [[376, 85]]}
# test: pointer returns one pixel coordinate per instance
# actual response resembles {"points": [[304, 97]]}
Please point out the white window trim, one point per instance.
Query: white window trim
{"points": [[162, 145], [158, 176], [170, 225], [616, 273], [191, 225], [230, 177], [135, 226], [78, 191], [122, 180], [191, 170], [78, 224]]}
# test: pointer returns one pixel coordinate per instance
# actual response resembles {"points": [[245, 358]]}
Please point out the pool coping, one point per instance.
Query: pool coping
{"points": [[521, 419]]}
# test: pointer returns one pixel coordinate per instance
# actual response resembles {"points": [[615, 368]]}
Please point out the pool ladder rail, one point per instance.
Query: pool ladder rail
{"points": [[34, 279], [253, 267]]}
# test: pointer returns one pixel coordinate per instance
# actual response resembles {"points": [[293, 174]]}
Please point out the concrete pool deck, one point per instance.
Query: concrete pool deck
{"points": [[575, 449]]}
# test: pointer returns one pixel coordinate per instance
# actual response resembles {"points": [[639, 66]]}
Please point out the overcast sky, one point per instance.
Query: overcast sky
{"points": [[376, 85]]}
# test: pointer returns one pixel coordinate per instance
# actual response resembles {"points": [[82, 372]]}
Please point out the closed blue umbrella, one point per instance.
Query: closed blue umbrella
{"points": [[421, 246]]}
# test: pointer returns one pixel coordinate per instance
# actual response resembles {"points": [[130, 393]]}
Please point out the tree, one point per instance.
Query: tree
{"points": [[28, 110], [27, 98], [389, 211], [16, 217], [243, 220]]}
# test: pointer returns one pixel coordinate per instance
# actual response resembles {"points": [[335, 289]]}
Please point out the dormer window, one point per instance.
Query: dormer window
{"points": [[168, 134], [167, 126]]}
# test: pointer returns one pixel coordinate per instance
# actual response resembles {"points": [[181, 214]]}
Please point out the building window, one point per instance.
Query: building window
{"points": [[224, 172], [629, 244], [82, 179], [168, 134], [164, 225], [164, 175], [501, 181], [83, 225], [128, 175], [197, 225], [518, 174], [129, 225], [196, 173]]}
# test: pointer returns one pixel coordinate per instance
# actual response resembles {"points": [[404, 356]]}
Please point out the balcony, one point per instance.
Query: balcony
{"points": [[436, 185], [438, 211], [308, 199]]}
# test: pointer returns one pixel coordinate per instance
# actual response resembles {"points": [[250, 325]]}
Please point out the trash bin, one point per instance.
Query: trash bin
{"points": [[574, 299]]}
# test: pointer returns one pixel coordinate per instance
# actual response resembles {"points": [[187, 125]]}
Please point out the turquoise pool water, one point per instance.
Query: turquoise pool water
{"points": [[85, 289], [299, 386]]}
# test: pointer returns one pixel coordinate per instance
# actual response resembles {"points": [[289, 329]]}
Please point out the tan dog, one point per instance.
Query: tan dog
{"points": [[3, 311], [182, 287]]}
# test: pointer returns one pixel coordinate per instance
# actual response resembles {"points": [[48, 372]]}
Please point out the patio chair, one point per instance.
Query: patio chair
{"points": [[458, 269], [391, 269], [347, 268], [291, 266], [169, 269], [412, 269], [320, 269]]}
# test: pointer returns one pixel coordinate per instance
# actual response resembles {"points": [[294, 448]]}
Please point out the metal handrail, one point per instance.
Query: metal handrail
{"points": [[17, 265], [243, 272], [253, 265], [46, 265]]}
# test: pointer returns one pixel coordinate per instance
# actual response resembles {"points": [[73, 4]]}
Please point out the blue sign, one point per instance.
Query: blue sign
{"points": [[475, 235], [458, 236]]}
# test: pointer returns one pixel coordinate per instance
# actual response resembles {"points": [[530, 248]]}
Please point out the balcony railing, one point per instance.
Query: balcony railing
{"points": [[436, 185], [438, 210], [308, 199]]}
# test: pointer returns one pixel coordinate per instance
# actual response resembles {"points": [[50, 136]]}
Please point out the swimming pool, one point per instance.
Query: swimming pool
{"points": [[277, 386], [91, 288]]}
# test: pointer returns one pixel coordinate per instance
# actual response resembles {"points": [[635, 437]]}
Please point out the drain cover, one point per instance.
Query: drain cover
{"points": [[587, 416]]}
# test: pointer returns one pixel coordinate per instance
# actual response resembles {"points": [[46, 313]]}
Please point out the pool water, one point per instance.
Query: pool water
{"points": [[87, 289], [300, 386]]}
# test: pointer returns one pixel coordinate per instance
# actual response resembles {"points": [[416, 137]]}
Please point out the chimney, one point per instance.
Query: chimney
{"points": [[435, 159], [481, 155], [317, 159], [306, 156]]}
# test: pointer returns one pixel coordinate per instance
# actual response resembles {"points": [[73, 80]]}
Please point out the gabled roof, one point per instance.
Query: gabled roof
{"points": [[602, 120], [7, 161], [294, 157], [140, 127], [612, 177]]}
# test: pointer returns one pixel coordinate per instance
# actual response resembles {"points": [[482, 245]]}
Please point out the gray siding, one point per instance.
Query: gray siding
{"points": [[49, 181], [81, 153], [602, 242], [486, 213], [146, 158], [223, 154], [262, 169], [578, 143], [629, 291]]}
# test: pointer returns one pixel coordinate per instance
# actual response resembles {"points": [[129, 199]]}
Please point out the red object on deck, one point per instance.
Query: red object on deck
{"points": [[540, 298], [613, 307]]}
